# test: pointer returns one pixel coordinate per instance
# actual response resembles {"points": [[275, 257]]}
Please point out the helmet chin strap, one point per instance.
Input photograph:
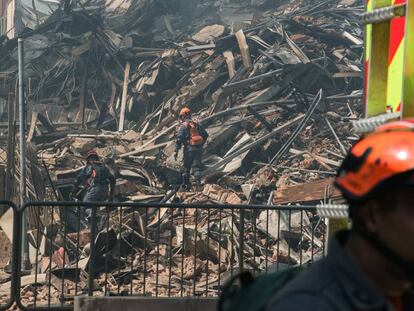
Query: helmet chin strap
{"points": [[387, 252]]}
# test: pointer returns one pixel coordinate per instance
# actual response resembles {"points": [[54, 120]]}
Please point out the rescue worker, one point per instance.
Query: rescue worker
{"points": [[191, 137], [371, 266], [96, 178], [96, 181]]}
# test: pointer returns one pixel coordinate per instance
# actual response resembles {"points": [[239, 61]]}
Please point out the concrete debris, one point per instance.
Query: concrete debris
{"points": [[248, 87]]}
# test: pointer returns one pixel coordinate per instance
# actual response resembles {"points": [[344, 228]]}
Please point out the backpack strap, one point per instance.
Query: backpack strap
{"points": [[188, 124]]}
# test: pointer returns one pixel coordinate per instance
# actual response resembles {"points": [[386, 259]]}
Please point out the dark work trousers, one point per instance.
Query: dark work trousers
{"points": [[79, 218], [192, 159]]}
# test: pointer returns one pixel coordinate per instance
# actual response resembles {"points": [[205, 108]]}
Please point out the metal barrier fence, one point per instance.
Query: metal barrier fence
{"points": [[10, 225], [3, 27], [160, 250]]}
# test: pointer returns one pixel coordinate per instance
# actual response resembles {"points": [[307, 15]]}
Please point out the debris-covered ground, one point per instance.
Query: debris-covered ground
{"points": [[275, 83]]}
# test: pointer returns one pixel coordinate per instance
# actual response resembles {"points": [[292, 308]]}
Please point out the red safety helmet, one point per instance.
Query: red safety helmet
{"points": [[384, 157], [185, 111]]}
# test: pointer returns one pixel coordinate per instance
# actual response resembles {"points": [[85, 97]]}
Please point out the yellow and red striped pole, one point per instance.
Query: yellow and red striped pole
{"points": [[378, 41], [395, 89], [368, 38], [408, 108]]}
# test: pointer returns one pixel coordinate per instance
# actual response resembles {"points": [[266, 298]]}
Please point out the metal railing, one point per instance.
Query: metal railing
{"points": [[154, 249], [8, 292], [161, 250], [3, 27]]}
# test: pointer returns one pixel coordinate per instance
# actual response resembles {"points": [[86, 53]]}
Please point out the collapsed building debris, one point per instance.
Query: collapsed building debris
{"points": [[275, 84]]}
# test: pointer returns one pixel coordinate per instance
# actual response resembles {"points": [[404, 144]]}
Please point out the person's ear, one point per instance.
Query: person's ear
{"points": [[370, 215]]}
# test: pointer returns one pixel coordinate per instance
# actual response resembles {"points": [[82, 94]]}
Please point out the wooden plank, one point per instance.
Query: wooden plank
{"points": [[154, 147], [244, 48], [231, 64], [32, 126], [124, 97], [313, 191], [149, 143]]}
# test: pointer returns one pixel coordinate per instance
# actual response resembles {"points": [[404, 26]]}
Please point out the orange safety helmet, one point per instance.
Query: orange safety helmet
{"points": [[386, 156], [184, 111]]}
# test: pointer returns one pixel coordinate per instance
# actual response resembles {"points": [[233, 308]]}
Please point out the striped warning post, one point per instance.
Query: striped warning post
{"points": [[396, 62], [368, 37], [408, 108], [378, 42]]}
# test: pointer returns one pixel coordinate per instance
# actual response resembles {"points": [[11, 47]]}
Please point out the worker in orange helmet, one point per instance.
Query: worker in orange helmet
{"points": [[191, 137], [371, 266]]}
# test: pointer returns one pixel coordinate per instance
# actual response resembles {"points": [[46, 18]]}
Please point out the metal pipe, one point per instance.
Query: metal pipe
{"points": [[10, 145], [22, 132]]}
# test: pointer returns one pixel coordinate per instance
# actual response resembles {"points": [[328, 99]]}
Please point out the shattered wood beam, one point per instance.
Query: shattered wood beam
{"points": [[260, 118], [50, 137], [343, 149], [243, 83], [231, 65], [32, 126], [295, 169], [198, 48], [82, 94], [325, 160], [243, 107], [244, 48], [148, 143], [316, 157], [154, 147], [124, 97], [95, 136], [299, 53], [256, 143]]}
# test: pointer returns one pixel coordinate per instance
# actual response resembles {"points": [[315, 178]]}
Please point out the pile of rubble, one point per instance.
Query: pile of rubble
{"points": [[116, 83], [275, 84]]}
